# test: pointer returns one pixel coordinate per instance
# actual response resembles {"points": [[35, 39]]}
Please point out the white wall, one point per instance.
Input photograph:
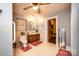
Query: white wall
{"points": [[75, 29], [65, 21], [6, 29]]}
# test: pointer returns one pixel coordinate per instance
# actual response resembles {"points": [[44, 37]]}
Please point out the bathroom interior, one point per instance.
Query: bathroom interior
{"points": [[40, 28]]}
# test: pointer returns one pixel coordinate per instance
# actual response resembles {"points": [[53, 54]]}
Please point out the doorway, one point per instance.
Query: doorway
{"points": [[52, 30]]}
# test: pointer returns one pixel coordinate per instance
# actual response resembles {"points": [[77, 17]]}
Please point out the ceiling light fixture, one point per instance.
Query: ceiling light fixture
{"points": [[35, 7]]}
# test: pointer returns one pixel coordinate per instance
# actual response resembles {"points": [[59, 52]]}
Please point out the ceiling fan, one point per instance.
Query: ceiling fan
{"points": [[35, 6]]}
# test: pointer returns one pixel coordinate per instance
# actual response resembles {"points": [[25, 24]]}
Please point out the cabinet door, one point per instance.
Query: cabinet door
{"points": [[33, 38], [37, 37], [30, 39]]}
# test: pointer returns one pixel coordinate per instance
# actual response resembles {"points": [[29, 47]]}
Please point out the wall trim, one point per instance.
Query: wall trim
{"points": [[68, 48], [72, 50], [56, 28]]}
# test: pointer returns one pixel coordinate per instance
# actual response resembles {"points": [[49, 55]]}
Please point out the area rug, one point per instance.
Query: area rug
{"points": [[26, 48], [62, 52], [36, 43]]}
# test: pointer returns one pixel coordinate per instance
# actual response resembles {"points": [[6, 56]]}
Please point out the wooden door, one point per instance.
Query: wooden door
{"points": [[52, 30]]}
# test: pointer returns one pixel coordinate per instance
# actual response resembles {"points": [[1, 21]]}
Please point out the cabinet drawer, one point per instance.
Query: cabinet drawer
{"points": [[33, 38]]}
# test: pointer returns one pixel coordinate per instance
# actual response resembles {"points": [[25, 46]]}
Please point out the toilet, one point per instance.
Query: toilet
{"points": [[23, 40]]}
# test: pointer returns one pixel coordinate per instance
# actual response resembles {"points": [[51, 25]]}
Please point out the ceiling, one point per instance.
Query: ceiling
{"points": [[45, 9]]}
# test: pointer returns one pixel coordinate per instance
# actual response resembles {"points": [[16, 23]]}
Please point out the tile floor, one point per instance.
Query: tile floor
{"points": [[44, 49]]}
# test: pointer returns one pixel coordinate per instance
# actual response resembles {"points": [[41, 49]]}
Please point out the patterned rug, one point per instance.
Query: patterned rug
{"points": [[63, 52], [36, 43], [26, 48]]}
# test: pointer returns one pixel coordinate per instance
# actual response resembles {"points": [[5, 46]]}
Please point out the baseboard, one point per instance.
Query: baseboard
{"points": [[73, 51], [68, 48]]}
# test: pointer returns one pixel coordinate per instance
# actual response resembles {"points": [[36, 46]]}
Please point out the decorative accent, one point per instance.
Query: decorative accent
{"points": [[36, 43], [31, 26], [63, 52], [26, 48], [35, 22], [36, 31]]}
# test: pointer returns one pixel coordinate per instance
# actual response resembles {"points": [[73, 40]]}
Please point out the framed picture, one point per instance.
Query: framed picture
{"points": [[31, 26]]}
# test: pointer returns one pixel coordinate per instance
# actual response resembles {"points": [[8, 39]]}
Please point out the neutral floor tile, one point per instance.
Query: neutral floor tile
{"points": [[44, 49]]}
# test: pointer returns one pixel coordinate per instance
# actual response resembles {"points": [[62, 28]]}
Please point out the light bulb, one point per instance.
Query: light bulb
{"points": [[35, 7]]}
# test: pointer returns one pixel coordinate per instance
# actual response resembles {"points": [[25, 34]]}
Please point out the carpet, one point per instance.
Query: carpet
{"points": [[63, 52], [36, 43], [26, 48]]}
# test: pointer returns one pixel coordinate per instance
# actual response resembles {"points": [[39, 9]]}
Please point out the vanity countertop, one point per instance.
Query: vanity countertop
{"points": [[32, 33]]}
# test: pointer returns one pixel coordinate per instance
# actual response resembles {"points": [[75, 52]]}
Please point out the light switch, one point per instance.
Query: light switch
{"points": [[5, 30]]}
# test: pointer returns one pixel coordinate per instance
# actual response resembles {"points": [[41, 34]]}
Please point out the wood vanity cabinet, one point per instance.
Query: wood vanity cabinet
{"points": [[33, 37]]}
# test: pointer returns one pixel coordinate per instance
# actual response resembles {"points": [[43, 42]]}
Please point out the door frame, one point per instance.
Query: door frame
{"points": [[56, 28]]}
